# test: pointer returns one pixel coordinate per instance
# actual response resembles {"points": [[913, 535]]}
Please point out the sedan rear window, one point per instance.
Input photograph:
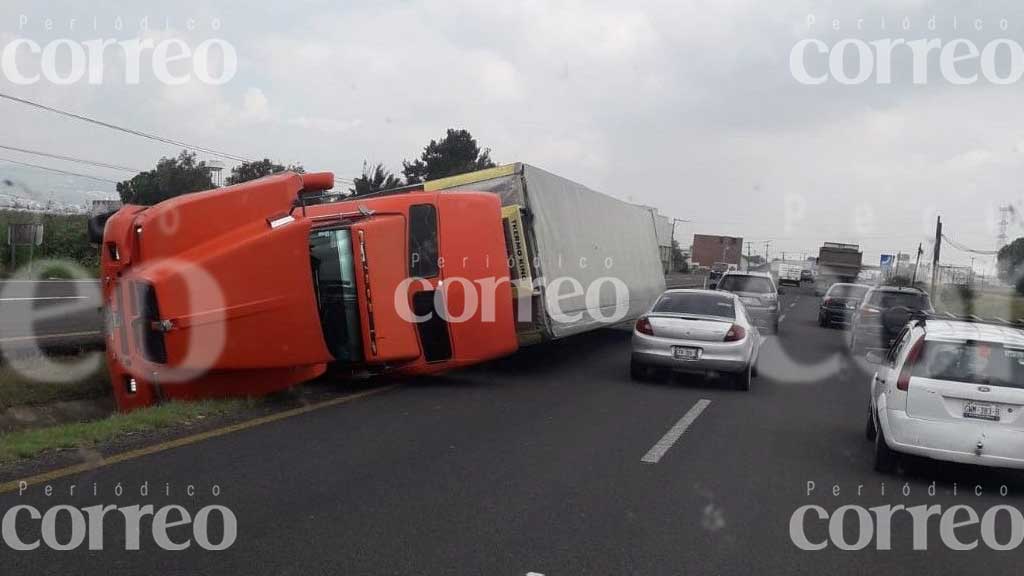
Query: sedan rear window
{"points": [[737, 283], [973, 363], [696, 304]]}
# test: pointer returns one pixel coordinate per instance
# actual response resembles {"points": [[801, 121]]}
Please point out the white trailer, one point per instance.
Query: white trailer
{"points": [[578, 259]]}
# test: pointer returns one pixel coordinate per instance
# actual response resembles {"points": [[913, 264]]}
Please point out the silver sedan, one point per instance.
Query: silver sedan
{"points": [[696, 331]]}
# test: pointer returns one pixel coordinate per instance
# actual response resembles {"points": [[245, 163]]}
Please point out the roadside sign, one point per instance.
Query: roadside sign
{"points": [[885, 263], [25, 234]]}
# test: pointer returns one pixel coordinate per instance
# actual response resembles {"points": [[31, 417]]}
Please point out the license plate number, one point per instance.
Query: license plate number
{"points": [[981, 411], [686, 353]]}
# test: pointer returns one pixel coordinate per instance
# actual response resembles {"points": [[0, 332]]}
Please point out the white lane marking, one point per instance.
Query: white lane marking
{"points": [[45, 336], [670, 437], [45, 281], [27, 299]]}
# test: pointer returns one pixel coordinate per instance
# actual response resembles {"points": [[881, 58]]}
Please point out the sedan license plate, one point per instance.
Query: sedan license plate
{"points": [[686, 353], [981, 411]]}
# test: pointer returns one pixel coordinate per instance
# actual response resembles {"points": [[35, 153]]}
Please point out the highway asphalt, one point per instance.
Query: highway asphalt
{"points": [[535, 464], [49, 312]]}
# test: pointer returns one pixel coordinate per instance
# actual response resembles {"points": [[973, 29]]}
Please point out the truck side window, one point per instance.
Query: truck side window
{"points": [[423, 249]]}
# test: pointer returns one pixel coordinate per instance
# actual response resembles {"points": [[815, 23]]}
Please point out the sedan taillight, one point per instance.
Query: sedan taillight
{"points": [[643, 326], [735, 333], [904, 380]]}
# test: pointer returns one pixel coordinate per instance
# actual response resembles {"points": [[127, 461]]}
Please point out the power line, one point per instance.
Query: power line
{"points": [[964, 248], [66, 172], [72, 159], [131, 131]]}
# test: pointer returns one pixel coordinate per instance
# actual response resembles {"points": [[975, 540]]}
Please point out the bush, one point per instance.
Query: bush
{"points": [[64, 238]]}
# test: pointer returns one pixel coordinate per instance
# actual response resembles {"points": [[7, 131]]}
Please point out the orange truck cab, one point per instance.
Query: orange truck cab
{"points": [[254, 288]]}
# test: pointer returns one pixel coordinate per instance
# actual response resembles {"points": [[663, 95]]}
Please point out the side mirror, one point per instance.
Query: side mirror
{"points": [[874, 357]]}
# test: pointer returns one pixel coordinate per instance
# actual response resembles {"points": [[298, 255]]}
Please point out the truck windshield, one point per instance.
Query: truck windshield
{"points": [[330, 253]]}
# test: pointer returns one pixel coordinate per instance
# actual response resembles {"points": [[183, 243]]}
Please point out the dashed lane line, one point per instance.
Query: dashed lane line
{"points": [[658, 450]]}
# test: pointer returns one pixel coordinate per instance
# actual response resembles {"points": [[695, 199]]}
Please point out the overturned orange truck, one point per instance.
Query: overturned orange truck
{"points": [[257, 287]]}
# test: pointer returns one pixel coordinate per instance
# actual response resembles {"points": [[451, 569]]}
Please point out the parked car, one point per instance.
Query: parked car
{"points": [[806, 276], [882, 314], [696, 331], [840, 303], [950, 390], [758, 293]]}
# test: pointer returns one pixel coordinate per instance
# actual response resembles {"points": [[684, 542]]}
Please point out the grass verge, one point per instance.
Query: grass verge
{"points": [[36, 380], [29, 443], [1002, 304]]}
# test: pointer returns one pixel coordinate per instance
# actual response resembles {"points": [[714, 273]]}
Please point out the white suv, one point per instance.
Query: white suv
{"points": [[950, 390]]}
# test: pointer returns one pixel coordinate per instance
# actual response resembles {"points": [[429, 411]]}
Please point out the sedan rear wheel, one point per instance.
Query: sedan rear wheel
{"points": [[885, 458], [743, 378], [870, 432], [637, 370]]}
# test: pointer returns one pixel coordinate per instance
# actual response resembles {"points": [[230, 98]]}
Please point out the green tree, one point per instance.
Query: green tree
{"points": [[456, 153], [171, 177], [373, 180], [258, 169], [1010, 261]]}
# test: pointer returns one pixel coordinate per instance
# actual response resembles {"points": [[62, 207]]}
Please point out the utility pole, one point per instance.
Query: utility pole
{"points": [[766, 243], [936, 253], [672, 244], [917, 264], [970, 279]]}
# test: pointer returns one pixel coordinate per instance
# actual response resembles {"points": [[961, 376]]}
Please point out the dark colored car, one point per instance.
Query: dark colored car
{"points": [[840, 304], [882, 315], [806, 276]]}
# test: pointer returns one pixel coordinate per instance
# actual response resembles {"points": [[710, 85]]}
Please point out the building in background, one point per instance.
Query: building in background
{"points": [[663, 230], [708, 249], [104, 207]]}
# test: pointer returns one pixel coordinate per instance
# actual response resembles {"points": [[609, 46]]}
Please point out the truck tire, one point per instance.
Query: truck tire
{"points": [[885, 458]]}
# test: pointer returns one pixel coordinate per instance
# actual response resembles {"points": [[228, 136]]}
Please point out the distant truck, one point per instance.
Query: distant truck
{"points": [[837, 262], [710, 250], [789, 274], [254, 288]]}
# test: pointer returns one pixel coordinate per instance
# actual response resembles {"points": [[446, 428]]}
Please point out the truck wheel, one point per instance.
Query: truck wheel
{"points": [[885, 458], [743, 379], [870, 432]]}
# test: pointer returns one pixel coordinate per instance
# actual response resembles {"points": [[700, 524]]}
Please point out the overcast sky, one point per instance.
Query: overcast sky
{"points": [[687, 106]]}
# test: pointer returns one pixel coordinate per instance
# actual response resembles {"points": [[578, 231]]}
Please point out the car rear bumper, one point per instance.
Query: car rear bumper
{"points": [[837, 315], [715, 356], [953, 441]]}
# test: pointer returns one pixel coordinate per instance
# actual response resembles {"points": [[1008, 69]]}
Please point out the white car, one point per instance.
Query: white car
{"points": [[696, 331], [950, 390]]}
